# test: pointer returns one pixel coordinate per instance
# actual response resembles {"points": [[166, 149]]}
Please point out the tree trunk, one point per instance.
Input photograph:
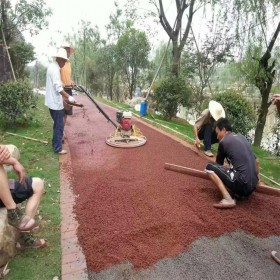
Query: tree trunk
{"points": [[261, 119], [176, 60], [174, 31], [264, 81]]}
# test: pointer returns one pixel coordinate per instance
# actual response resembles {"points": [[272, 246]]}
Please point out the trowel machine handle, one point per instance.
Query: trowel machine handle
{"points": [[81, 89]]}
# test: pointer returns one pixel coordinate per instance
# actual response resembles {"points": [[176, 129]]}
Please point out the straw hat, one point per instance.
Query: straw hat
{"points": [[216, 110], [67, 45], [61, 53]]}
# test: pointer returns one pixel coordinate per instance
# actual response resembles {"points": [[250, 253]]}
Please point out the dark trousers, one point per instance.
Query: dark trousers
{"points": [[58, 126], [230, 178], [208, 135]]}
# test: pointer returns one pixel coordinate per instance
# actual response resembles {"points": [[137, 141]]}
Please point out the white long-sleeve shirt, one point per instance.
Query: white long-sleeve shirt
{"points": [[53, 98]]}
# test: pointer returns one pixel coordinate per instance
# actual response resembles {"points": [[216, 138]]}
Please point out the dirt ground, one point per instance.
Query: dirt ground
{"points": [[140, 221]]}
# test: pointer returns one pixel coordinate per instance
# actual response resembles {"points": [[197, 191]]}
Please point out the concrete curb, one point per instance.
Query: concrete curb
{"points": [[73, 265]]}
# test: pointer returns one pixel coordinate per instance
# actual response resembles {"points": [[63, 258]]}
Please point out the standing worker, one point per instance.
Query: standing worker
{"points": [[204, 127], [68, 84], [276, 101], [54, 99]]}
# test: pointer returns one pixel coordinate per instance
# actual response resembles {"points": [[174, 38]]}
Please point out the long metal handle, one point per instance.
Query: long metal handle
{"points": [[80, 88]]}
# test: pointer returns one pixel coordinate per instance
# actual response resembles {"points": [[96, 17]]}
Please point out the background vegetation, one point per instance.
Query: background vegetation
{"points": [[16, 100], [39, 161]]}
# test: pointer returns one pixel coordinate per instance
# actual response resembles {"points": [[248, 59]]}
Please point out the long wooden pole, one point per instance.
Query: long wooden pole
{"points": [[186, 170], [262, 188], [8, 53], [29, 138]]}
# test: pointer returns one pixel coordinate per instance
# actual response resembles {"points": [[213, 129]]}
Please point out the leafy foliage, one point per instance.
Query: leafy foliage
{"points": [[238, 110], [132, 49], [84, 68], [107, 64], [21, 54], [250, 64], [29, 15], [15, 100], [170, 93], [214, 51]]}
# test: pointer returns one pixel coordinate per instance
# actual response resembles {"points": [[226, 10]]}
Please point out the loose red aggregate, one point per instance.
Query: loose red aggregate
{"points": [[130, 208]]}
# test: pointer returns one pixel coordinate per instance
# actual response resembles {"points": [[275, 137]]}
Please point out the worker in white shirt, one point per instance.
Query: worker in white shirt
{"points": [[54, 99]]}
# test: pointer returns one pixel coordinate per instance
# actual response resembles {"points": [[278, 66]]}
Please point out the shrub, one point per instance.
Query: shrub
{"points": [[15, 100], [170, 93], [239, 111]]}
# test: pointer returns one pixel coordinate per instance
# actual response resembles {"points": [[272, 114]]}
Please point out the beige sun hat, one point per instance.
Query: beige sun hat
{"points": [[61, 53], [67, 45], [216, 110]]}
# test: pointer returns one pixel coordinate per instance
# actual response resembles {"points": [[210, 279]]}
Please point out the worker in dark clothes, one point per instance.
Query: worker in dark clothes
{"points": [[241, 176]]}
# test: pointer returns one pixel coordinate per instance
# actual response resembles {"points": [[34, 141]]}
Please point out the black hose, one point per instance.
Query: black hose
{"points": [[80, 88]]}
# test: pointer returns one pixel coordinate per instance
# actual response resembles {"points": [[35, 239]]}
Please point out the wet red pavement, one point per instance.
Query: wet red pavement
{"points": [[130, 208]]}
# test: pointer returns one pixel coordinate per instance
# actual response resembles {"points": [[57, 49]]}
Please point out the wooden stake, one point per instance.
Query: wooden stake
{"points": [[29, 138], [262, 188]]}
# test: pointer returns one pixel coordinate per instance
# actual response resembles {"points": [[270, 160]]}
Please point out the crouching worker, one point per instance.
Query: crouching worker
{"points": [[204, 127], [16, 191], [241, 177]]}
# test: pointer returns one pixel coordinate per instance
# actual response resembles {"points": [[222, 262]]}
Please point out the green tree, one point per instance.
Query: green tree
{"points": [[166, 66], [170, 93], [236, 105], [87, 41], [178, 32], [214, 51], [21, 54], [24, 16], [16, 99], [14, 19], [263, 81], [252, 23], [132, 49], [259, 70], [107, 62]]}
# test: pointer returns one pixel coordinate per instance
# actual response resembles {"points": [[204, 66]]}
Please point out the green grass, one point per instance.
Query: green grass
{"points": [[39, 161], [269, 165]]}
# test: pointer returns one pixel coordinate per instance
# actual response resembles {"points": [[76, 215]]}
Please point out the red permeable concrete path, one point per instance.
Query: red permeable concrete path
{"points": [[130, 208]]}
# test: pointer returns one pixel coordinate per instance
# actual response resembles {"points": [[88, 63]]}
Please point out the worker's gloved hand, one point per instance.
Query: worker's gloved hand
{"points": [[71, 99]]}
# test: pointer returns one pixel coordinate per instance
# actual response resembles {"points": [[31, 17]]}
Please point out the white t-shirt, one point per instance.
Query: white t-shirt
{"points": [[53, 98]]}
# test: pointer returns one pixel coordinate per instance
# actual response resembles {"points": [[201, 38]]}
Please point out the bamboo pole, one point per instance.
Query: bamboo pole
{"points": [[8, 53], [28, 138]]}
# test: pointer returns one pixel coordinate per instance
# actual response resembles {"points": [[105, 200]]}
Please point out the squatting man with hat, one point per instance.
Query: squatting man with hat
{"points": [[204, 127], [54, 99]]}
